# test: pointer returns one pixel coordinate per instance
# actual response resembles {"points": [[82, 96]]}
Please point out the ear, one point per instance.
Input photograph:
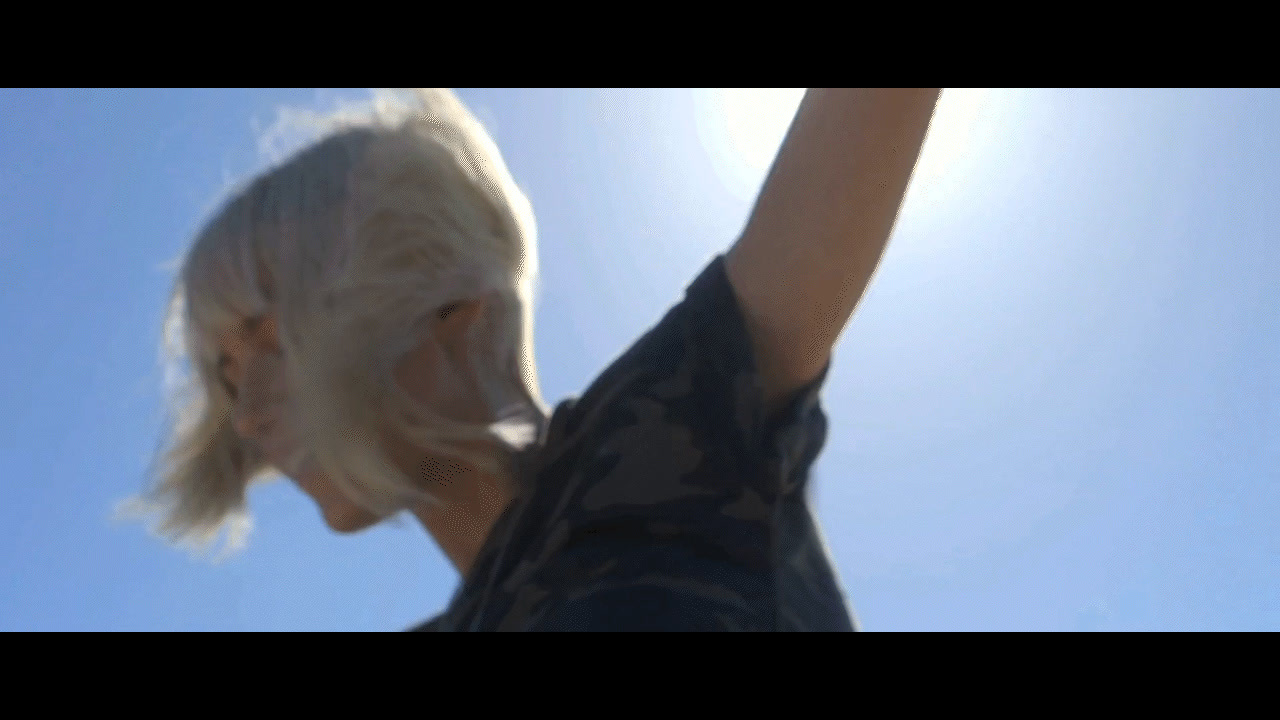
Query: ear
{"points": [[455, 319]]}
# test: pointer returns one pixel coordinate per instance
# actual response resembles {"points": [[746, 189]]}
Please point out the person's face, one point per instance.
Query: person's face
{"points": [[252, 368]]}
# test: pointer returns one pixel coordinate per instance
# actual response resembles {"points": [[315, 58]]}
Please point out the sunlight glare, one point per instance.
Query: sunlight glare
{"points": [[741, 130], [954, 136], [952, 176]]}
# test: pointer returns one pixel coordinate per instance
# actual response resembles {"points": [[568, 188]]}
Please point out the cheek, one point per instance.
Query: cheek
{"points": [[418, 373], [429, 378]]}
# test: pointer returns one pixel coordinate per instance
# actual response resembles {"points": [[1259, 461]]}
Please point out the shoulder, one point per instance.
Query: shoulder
{"points": [[674, 436], [678, 414], [661, 481], [686, 401]]}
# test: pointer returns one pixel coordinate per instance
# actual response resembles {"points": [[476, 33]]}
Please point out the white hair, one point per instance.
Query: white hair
{"points": [[396, 211]]}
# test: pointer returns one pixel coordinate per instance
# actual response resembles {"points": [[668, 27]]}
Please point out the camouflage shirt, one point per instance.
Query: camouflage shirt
{"points": [[662, 498]]}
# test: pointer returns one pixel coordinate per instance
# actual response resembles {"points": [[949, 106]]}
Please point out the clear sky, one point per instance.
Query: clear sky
{"points": [[1057, 408]]}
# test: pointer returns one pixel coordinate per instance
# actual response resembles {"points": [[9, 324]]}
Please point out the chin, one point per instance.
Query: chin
{"points": [[350, 520]]}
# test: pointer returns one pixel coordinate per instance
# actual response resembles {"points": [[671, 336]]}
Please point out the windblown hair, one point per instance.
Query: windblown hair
{"points": [[394, 212]]}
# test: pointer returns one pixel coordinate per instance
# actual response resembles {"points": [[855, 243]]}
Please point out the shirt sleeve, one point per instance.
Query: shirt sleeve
{"points": [[783, 444], [674, 434]]}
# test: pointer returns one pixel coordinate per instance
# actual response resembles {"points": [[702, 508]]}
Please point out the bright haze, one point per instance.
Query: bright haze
{"points": [[1057, 407]]}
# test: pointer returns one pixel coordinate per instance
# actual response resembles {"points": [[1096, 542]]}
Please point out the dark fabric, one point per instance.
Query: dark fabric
{"points": [[664, 499]]}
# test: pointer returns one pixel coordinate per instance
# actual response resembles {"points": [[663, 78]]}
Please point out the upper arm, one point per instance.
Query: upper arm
{"points": [[821, 222]]}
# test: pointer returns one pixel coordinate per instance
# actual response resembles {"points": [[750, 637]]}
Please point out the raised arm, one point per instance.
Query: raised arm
{"points": [[821, 223]]}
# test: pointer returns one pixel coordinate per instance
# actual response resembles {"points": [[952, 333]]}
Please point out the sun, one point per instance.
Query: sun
{"points": [[741, 129], [956, 134]]}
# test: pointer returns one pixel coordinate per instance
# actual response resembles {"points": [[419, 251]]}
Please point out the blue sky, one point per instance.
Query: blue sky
{"points": [[1057, 408]]}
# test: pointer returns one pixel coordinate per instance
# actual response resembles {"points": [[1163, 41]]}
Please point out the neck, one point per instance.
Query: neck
{"points": [[472, 500], [461, 524]]}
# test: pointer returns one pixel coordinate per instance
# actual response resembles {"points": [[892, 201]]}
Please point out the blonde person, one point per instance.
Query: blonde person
{"points": [[359, 318]]}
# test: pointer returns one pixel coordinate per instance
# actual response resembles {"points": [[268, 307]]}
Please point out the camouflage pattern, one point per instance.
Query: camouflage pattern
{"points": [[663, 499]]}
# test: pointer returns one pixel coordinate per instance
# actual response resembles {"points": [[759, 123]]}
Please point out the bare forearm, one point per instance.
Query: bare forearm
{"points": [[820, 225], [834, 192]]}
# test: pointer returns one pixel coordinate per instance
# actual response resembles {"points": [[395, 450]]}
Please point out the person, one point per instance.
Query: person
{"points": [[359, 319]]}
